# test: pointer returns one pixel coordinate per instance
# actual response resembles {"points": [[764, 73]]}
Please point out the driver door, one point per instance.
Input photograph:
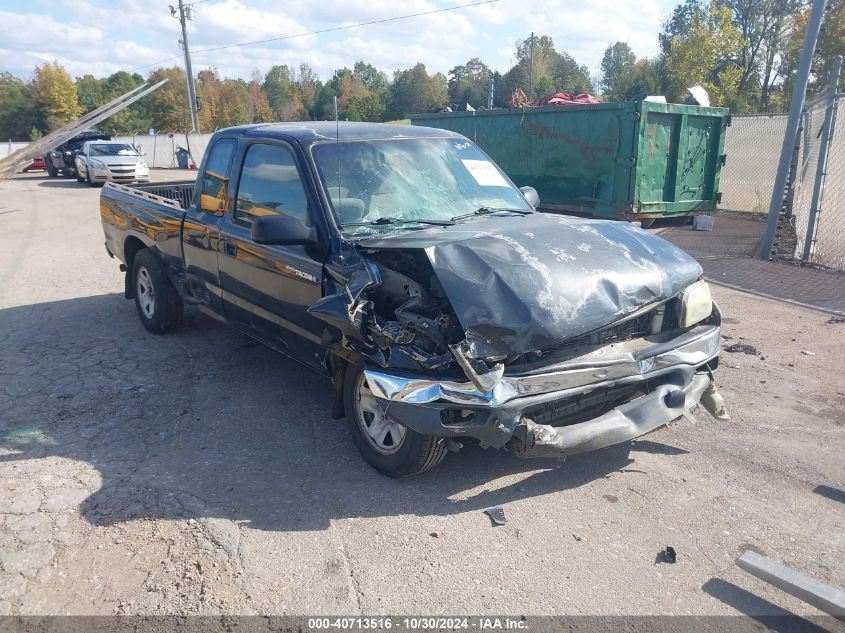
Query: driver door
{"points": [[267, 289]]}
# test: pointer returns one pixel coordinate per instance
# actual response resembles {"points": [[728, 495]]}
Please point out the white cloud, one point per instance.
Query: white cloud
{"points": [[91, 36]]}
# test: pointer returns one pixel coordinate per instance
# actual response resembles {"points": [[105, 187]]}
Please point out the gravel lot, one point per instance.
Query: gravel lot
{"points": [[201, 473]]}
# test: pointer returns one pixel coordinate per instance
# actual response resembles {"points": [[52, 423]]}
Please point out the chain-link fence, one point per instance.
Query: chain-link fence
{"points": [[828, 242], [753, 145]]}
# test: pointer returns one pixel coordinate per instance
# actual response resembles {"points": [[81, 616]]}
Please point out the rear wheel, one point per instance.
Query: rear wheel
{"points": [[157, 301], [389, 447]]}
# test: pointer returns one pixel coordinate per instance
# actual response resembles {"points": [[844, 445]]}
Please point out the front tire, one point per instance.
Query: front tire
{"points": [[51, 169], [159, 305], [389, 447]]}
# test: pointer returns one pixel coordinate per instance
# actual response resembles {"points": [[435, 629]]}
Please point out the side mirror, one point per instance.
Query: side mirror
{"points": [[282, 230], [531, 195]]}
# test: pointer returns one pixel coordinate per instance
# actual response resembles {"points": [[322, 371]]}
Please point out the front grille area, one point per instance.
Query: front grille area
{"points": [[582, 406]]}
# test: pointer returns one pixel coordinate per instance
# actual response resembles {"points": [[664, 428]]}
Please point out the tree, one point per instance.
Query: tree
{"points": [[259, 105], [372, 78], [616, 68], [166, 109], [308, 85], [763, 25], [468, 83], [644, 79], [414, 90], [130, 120], [17, 115], [679, 24], [705, 54], [553, 71], [89, 92], [55, 95], [282, 94], [831, 43]]}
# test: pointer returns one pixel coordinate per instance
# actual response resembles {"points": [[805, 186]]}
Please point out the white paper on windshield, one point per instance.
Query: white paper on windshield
{"points": [[485, 173]]}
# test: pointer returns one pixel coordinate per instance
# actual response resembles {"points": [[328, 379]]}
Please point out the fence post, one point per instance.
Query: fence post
{"points": [[821, 166], [811, 36]]}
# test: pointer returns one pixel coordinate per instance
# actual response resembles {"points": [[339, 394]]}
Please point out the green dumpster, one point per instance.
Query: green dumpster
{"points": [[633, 160]]}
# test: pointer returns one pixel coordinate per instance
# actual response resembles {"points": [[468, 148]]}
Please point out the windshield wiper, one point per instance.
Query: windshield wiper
{"points": [[489, 210], [384, 221]]}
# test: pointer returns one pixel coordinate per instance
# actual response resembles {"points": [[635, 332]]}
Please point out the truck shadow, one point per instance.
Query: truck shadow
{"points": [[203, 423], [63, 183]]}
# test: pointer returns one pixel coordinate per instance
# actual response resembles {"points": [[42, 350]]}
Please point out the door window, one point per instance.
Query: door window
{"points": [[270, 185], [216, 177]]}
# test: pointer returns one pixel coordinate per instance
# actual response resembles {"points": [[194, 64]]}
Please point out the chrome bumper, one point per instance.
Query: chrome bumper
{"points": [[638, 359], [503, 415]]}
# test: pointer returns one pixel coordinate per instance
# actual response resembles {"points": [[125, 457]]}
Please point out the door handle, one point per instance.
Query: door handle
{"points": [[229, 248]]}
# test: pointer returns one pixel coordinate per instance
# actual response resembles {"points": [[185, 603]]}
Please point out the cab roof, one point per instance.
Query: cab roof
{"points": [[310, 132]]}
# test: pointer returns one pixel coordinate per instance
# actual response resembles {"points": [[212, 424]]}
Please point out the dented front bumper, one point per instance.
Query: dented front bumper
{"points": [[665, 376]]}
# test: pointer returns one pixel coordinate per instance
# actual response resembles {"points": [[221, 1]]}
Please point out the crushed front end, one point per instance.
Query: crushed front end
{"points": [[526, 386], [566, 403]]}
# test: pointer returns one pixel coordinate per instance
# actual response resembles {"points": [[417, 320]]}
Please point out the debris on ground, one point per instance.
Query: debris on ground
{"points": [[836, 320], [668, 555], [576, 537], [497, 515], [807, 352], [742, 348]]}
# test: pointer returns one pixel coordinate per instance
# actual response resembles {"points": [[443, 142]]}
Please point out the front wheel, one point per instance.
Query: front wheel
{"points": [[157, 301], [389, 447]]}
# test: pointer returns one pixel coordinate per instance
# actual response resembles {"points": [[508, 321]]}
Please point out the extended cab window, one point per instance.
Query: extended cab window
{"points": [[270, 185], [216, 176]]}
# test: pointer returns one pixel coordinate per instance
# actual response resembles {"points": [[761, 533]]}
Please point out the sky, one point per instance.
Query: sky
{"points": [[100, 37]]}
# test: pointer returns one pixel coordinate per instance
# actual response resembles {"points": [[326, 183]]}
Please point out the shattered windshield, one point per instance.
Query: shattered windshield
{"points": [[111, 149], [411, 183]]}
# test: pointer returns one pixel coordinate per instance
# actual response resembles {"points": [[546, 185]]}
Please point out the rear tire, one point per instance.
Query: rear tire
{"points": [[392, 449], [159, 305]]}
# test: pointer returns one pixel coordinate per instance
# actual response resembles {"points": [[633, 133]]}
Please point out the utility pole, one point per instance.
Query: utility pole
{"points": [[531, 69], [185, 14]]}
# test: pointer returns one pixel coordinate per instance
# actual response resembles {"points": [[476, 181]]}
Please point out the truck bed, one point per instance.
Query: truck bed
{"points": [[145, 215]]}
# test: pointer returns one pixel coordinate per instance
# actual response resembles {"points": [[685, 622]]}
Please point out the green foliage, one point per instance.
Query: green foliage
{"points": [[704, 54], [17, 114], [35, 134], [617, 66], [468, 83], [553, 71], [414, 90], [166, 109]]}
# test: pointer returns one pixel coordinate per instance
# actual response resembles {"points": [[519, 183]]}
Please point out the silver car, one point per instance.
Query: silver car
{"points": [[101, 161]]}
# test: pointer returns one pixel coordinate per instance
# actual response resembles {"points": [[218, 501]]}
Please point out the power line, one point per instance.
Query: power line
{"points": [[321, 31]]}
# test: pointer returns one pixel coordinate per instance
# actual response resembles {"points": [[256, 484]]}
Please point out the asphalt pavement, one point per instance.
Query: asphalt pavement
{"points": [[200, 473]]}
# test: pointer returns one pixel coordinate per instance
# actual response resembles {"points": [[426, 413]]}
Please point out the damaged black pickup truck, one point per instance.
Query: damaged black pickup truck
{"points": [[401, 262]]}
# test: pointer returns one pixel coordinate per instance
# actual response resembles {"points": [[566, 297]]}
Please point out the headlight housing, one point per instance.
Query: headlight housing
{"points": [[97, 164], [142, 166], [696, 304]]}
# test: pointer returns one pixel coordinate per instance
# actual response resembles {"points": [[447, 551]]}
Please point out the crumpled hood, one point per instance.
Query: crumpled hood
{"points": [[525, 283]]}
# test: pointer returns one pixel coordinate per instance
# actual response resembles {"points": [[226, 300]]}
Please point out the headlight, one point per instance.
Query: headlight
{"points": [[97, 164], [696, 304], [143, 166]]}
